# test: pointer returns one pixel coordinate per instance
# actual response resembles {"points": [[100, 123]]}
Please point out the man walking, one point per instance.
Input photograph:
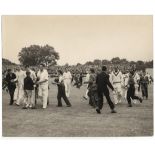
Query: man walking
{"points": [[131, 90], [86, 81], [61, 90], [67, 81], [102, 82], [117, 79]]}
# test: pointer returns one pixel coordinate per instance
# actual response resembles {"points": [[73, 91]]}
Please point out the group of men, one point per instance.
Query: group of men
{"points": [[25, 85], [130, 81], [22, 85]]}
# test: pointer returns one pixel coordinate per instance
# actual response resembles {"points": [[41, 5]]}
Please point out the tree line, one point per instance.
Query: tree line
{"points": [[33, 55]]}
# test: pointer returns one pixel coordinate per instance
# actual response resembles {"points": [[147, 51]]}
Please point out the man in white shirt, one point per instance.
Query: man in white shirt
{"points": [[67, 81], [125, 82], [86, 81], [136, 78], [42, 76], [19, 92], [116, 79]]}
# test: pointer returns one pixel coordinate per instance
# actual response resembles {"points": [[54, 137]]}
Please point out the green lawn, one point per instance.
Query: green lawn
{"points": [[80, 120]]}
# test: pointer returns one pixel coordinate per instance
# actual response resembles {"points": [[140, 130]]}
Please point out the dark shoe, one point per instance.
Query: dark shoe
{"points": [[140, 100], [130, 105], [33, 107], [59, 105], [113, 111], [84, 97], [69, 105], [24, 108], [98, 111]]}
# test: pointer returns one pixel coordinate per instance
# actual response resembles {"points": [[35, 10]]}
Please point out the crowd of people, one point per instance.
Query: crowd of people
{"points": [[26, 86]]}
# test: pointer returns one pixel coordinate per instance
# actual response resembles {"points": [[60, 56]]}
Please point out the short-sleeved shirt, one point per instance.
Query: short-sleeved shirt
{"points": [[67, 75], [43, 75]]}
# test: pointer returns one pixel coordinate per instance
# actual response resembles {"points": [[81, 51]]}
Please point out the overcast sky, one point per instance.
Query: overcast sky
{"points": [[80, 38]]}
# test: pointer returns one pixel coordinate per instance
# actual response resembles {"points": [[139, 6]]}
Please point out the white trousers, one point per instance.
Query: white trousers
{"points": [[43, 93], [86, 93], [125, 93], [19, 94], [67, 83], [117, 92], [136, 93]]}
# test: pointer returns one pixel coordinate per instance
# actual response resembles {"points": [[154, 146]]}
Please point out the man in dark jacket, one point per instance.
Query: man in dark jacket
{"points": [[28, 88], [11, 84], [102, 82]]}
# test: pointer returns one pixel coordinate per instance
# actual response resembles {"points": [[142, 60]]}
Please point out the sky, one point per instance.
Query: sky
{"points": [[79, 39]]}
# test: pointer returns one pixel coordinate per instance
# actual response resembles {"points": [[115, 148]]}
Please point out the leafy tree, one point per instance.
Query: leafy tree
{"points": [[149, 64], [105, 62], [140, 65], [35, 54], [89, 63], [123, 61], [97, 62], [132, 62], [78, 64], [7, 62], [115, 60]]}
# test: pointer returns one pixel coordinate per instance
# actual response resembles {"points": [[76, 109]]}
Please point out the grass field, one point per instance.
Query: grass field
{"points": [[80, 120]]}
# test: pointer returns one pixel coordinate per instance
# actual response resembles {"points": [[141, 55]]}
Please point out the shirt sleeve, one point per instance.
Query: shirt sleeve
{"points": [[33, 76], [46, 75], [61, 79]]}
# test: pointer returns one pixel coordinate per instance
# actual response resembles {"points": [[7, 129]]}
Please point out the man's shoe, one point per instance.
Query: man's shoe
{"points": [[11, 103], [24, 108], [130, 105], [69, 105], [84, 97], [140, 100], [33, 107], [113, 111], [59, 106], [98, 111]]}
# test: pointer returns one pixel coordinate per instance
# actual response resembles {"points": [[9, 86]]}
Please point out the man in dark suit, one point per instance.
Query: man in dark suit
{"points": [[102, 81], [11, 84]]}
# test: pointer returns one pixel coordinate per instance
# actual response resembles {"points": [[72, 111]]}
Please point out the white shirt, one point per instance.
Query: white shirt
{"points": [[136, 77], [61, 78], [125, 79], [33, 75], [43, 75], [87, 77], [67, 75], [116, 77], [20, 75]]}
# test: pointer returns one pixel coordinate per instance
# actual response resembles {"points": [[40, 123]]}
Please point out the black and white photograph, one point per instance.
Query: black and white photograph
{"points": [[77, 75]]}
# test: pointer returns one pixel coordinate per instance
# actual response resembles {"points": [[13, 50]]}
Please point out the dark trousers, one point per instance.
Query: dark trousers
{"points": [[93, 98], [11, 92], [131, 94], [144, 88], [62, 94], [100, 99]]}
